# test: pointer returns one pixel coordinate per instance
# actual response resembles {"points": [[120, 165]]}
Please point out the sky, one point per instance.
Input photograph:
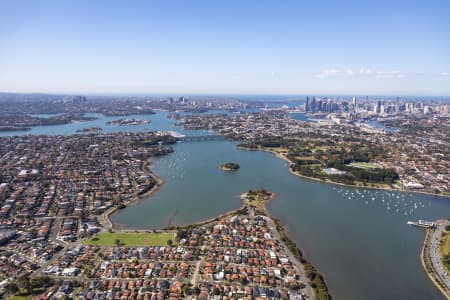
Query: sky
{"points": [[384, 47]]}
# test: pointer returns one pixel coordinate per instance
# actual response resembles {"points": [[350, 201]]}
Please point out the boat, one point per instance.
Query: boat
{"points": [[422, 224]]}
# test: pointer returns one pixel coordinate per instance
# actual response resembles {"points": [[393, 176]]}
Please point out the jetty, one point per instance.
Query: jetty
{"points": [[422, 224]]}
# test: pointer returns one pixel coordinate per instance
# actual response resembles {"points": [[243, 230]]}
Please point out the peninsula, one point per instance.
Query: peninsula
{"points": [[344, 152], [243, 253], [69, 248]]}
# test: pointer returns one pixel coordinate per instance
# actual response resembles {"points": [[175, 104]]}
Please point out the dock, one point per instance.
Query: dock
{"points": [[422, 224]]}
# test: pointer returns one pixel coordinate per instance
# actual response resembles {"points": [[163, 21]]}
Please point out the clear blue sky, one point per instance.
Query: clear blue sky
{"points": [[234, 47]]}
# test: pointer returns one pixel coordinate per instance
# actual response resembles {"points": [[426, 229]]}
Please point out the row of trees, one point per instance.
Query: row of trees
{"points": [[28, 285]]}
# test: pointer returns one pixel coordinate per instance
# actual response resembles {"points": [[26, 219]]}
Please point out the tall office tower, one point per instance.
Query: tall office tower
{"points": [[313, 104], [330, 107], [355, 107], [377, 108], [307, 104]]}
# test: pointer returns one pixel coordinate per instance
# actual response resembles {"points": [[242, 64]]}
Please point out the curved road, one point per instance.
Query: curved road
{"points": [[431, 254]]}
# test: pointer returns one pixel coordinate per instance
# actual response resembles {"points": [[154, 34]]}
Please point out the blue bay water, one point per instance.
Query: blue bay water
{"points": [[358, 238]]}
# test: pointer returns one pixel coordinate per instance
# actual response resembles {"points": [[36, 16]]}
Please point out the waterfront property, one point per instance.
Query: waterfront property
{"points": [[321, 217], [316, 213], [407, 159], [240, 255]]}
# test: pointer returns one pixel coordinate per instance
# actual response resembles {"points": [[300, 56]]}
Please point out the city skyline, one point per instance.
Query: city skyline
{"points": [[340, 48]]}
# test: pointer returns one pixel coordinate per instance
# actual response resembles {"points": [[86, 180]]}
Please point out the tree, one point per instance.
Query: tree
{"points": [[117, 242], [12, 288], [170, 242], [196, 290], [41, 282], [24, 283]]}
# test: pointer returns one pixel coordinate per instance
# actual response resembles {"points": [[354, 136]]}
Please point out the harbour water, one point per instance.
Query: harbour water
{"points": [[358, 238]]}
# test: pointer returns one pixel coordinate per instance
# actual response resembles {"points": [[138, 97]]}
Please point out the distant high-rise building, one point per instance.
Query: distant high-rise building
{"points": [[74, 99], [377, 107], [313, 104], [307, 104], [355, 104]]}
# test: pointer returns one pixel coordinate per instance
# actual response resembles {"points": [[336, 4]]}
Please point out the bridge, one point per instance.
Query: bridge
{"points": [[201, 138]]}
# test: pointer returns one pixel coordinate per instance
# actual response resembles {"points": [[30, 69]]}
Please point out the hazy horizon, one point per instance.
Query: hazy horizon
{"points": [[233, 47], [371, 96]]}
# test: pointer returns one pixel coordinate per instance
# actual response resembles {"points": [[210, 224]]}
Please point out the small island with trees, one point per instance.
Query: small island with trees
{"points": [[229, 167]]}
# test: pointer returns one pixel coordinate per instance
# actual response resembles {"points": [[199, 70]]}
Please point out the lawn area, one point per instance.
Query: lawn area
{"points": [[364, 165], [445, 250], [446, 244], [20, 297], [305, 157], [137, 239]]}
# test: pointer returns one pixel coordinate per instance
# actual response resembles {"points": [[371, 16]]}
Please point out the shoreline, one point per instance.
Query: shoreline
{"points": [[316, 283], [428, 266], [297, 252], [281, 156], [133, 200], [290, 245], [222, 215], [283, 236]]}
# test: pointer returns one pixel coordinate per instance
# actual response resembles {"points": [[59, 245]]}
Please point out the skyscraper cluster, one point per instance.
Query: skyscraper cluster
{"points": [[320, 105], [378, 107]]}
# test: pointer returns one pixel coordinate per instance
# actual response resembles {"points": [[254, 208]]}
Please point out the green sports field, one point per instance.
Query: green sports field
{"points": [[364, 165], [137, 239]]}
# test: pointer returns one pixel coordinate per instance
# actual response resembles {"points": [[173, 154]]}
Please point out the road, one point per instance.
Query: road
{"points": [[431, 254], [301, 271]]}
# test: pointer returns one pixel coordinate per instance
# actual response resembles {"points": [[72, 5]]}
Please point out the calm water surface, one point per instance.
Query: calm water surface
{"points": [[357, 238]]}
